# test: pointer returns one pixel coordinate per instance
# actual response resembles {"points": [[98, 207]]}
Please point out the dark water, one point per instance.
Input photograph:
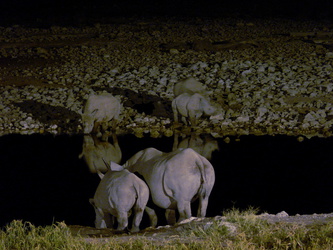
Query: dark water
{"points": [[42, 179]]}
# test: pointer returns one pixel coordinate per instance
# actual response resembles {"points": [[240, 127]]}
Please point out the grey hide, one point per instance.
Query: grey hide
{"points": [[99, 111], [175, 179], [118, 193], [95, 150], [191, 107], [190, 86]]}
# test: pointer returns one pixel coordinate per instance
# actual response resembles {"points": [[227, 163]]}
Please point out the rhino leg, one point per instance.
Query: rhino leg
{"points": [[104, 126], [113, 124], [175, 111], [96, 127], [170, 215], [103, 220], [194, 115], [122, 219], [138, 213], [184, 209], [203, 204], [184, 120], [152, 216]]}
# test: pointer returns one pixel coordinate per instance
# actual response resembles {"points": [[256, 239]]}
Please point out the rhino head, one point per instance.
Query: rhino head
{"points": [[88, 121]]}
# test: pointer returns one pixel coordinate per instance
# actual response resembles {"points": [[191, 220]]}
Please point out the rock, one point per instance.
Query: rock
{"points": [[282, 214], [274, 91], [174, 51]]}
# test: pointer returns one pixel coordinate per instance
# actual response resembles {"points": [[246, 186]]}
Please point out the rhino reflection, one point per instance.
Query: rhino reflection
{"points": [[94, 150], [175, 179], [204, 147]]}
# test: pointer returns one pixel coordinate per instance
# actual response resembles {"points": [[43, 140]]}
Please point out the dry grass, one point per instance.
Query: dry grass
{"points": [[241, 230]]}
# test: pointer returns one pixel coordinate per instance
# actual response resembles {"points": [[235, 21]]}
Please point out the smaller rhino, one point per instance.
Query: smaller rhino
{"points": [[117, 194], [191, 107], [99, 111]]}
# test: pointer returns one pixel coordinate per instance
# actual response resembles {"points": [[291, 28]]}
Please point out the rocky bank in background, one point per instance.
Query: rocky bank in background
{"points": [[268, 76]]}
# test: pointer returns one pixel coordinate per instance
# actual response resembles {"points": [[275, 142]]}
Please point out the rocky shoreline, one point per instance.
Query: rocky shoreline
{"points": [[268, 76]]}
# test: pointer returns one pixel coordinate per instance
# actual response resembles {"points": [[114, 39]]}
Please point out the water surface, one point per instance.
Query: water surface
{"points": [[42, 179]]}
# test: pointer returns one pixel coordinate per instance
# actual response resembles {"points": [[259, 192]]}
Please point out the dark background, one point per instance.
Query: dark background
{"points": [[84, 12], [43, 181]]}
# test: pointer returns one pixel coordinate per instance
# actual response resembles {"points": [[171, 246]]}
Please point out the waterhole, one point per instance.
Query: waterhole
{"points": [[43, 180]]}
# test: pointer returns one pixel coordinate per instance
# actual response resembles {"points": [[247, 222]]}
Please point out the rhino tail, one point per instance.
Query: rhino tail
{"points": [[205, 187], [140, 202]]}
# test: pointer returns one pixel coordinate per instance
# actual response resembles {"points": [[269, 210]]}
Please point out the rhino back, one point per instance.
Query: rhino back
{"points": [[103, 106], [136, 161], [189, 85]]}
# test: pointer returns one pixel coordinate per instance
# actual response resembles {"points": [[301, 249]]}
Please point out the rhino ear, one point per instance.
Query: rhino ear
{"points": [[115, 167]]}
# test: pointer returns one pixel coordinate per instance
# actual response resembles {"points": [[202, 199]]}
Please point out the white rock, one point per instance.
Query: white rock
{"points": [[282, 214]]}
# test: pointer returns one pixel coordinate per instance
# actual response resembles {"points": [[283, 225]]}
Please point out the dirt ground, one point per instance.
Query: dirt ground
{"points": [[169, 234]]}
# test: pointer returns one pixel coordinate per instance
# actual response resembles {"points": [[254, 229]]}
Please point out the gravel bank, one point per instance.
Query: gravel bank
{"points": [[268, 76]]}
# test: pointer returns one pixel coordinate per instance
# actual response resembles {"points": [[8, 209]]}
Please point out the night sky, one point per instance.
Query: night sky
{"points": [[74, 12]]}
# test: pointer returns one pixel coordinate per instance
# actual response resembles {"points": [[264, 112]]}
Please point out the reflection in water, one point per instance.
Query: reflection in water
{"points": [[42, 179], [205, 146], [95, 151]]}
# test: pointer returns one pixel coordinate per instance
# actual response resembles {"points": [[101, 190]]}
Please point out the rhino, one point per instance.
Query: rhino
{"points": [[190, 86], [175, 179], [99, 110], [204, 147], [191, 107], [95, 151], [118, 193]]}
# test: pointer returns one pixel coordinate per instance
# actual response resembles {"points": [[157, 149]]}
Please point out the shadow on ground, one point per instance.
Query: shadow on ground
{"points": [[50, 115]]}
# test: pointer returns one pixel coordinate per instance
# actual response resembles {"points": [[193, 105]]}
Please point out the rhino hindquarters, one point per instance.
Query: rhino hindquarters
{"points": [[208, 180], [142, 196]]}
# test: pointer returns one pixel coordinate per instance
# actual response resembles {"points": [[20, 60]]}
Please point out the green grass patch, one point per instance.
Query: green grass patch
{"points": [[235, 230]]}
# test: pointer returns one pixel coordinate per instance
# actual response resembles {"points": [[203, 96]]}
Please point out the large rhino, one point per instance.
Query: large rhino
{"points": [[190, 86], [99, 110], [204, 146], [175, 179], [95, 150], [191, 107], [118, 193]]}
